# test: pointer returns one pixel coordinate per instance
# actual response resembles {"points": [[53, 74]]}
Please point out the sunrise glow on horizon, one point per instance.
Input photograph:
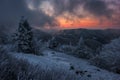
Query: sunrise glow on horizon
{"points": [[64, 14], [82, 15]]}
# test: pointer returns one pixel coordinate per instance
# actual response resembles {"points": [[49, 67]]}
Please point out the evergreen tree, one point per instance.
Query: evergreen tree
{"points": [[25, 37], [81, 42], [82, 50]]}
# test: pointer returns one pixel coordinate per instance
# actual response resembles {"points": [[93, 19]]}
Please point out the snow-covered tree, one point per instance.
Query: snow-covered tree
{"points": [[53, 43], [80, 47], [25, 37], [109, 57], [81, 42], [82, 50]]}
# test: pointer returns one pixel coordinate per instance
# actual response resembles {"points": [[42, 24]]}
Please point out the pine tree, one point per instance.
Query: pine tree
{"points": [[81, 42], [25, 37], [82, 50]]}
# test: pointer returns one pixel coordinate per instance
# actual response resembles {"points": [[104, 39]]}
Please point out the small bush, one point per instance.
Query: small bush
{"points": [[72, 67]]}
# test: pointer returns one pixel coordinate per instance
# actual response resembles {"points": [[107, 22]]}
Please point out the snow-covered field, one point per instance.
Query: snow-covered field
{"points": [[80, 68]]}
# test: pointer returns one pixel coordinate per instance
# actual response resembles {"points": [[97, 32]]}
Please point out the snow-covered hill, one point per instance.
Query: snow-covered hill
{"points": [[59, 61]]}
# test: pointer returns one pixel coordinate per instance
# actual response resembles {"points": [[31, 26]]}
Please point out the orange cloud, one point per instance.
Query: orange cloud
{"points": [[88, 22], [78, 23]]}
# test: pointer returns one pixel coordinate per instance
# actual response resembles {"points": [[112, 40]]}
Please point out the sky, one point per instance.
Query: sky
{"points": [[61, 14]]}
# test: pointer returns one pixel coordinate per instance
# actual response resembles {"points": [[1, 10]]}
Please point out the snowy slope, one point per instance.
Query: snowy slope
{"points": [[61, 61]]}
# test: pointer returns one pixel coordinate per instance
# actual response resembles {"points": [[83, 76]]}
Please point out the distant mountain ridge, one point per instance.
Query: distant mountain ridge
{"points": [[90, 36]]}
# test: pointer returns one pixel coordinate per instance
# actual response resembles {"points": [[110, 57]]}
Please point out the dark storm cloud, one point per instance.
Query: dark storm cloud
{"points": [[95, 7], [12, 10], [39, 19], [66, 5], [98, 8]]}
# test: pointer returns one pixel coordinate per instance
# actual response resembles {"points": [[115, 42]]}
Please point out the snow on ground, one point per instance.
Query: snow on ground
{"points": [[61, 61]]}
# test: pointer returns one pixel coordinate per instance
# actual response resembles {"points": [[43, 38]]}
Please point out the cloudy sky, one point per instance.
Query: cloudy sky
{"points": [[62, 14]]}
